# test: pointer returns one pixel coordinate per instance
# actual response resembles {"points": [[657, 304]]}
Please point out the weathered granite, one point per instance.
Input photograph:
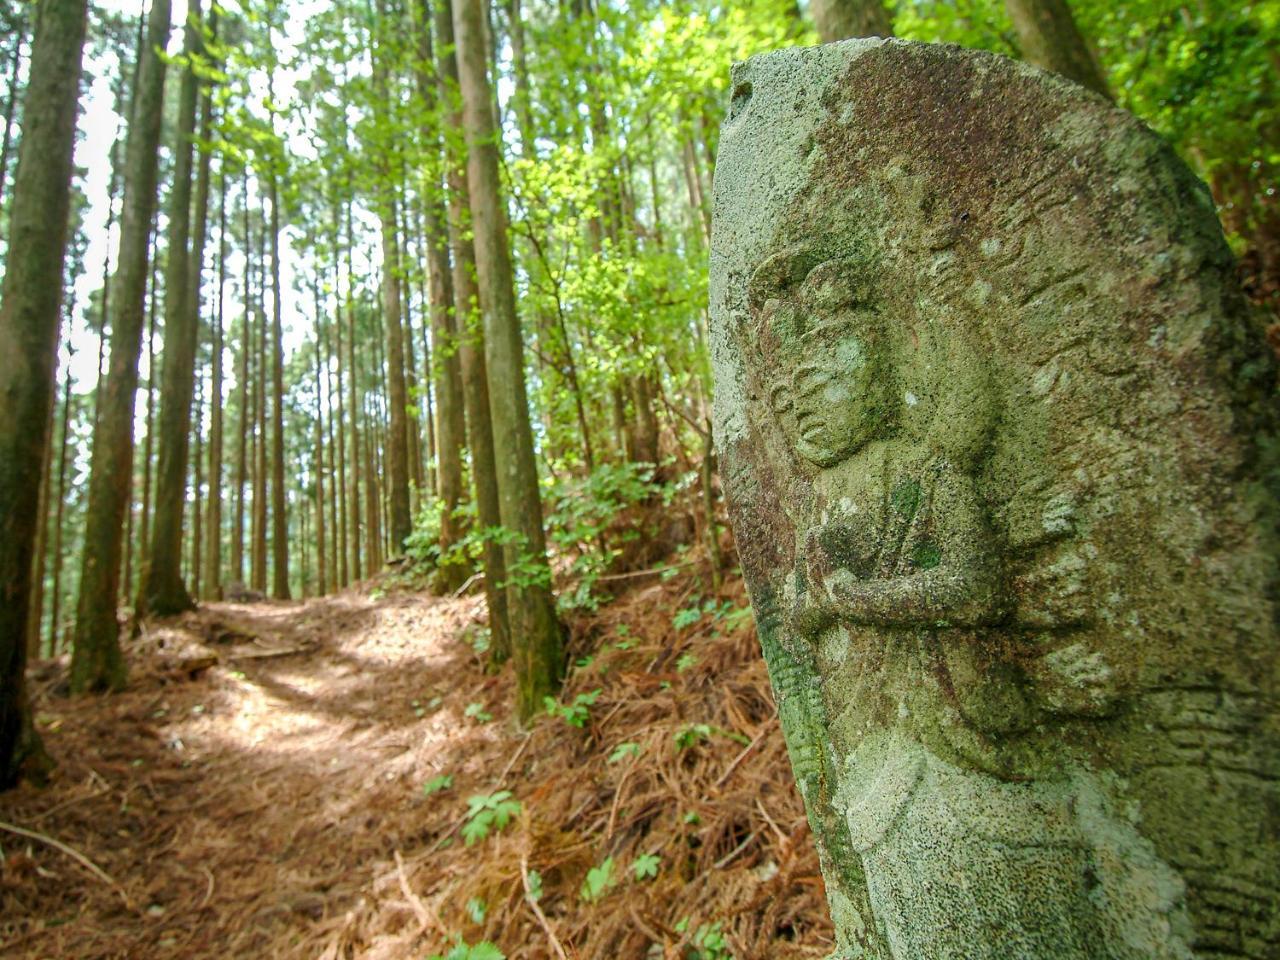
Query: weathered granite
{"points": [[1000, 443]]}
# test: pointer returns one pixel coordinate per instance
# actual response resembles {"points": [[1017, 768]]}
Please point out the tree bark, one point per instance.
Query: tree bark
{"points": [[30, 302], [213, 554], [96, 661], [279, 519], [163, 592], [397, 452], [59, 510], [471, 348], [446, 373], [845, 19], [535, 630], [354, 410], [1049, 39]]}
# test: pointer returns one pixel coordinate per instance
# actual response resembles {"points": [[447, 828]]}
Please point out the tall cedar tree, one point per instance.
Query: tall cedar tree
{"points": [[450, 417], [471, 351], [535, 631], [30, 303], [96, 660], [397, 450], [163, 592]]}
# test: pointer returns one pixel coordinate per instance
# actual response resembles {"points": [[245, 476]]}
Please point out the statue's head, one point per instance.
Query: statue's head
{"points": [[820, 344]]}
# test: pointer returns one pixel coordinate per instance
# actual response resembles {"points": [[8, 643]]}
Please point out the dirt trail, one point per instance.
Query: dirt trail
{"points": [[259, 792], [238, 808]]}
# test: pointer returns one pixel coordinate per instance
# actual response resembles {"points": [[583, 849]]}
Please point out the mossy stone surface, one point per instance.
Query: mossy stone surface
{"points": [[999, 438]]}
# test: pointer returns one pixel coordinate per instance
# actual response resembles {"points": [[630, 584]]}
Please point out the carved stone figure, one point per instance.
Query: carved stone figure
{"points": [[1000, 442]]}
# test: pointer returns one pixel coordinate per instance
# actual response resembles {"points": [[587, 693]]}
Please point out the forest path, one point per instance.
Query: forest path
{"points": [[243, 803]]}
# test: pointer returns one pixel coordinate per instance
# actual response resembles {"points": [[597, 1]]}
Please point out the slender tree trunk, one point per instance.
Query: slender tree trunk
{"points": [[55, 617], [260, 465], [1050, 39], [279, 519], [197, 483], [844, 19], [96, 661], [471, 351], [30, 301], [39, 551], [450, 418], [319, 453], [535, 630], [213, 555], [163, 592], [335, 394], [353, 370], [144, 510], [242, 404]]}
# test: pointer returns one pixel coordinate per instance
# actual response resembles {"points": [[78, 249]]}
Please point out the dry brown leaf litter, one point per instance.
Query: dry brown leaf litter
{"points": [[258, 793]]}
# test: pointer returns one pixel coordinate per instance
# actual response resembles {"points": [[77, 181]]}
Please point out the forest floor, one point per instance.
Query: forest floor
{"points": [[292, 780]]}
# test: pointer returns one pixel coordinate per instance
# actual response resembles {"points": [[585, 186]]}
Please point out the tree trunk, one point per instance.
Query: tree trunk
{"points": [[144, 510], [213, 555], [321, 559], [59, 510], [279, 519], [197, 482], [450, 417], [242, 404], [471, 350], [844, 19], [1049, 38], [354, 413], [397, 453], [96, 662], [260, 435], [163, 592], [535, 630], [40, 549], [30, 316]]}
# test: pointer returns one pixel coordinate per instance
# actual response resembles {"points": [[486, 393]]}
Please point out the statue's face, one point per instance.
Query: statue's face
{"points": [[825, 385]]}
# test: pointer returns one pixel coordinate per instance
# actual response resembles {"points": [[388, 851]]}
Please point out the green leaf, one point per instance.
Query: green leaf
{"points": [[599, 880], [646, 866], [442, 782], [624, 750]]}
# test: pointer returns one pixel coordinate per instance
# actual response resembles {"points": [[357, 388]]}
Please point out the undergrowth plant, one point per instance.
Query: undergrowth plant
{"points": [[575, 714], [461, 950], [488, 812]]}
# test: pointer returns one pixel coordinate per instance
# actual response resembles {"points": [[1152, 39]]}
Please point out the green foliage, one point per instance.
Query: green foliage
{"points": [[624, 750], [645, 866], [488, 812], [586, 511], [686, 737], [577, 713], [535, 886], [477, 910], [477, 712], [599, 880], [463, 951], [707, 942], [437, 784]]}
